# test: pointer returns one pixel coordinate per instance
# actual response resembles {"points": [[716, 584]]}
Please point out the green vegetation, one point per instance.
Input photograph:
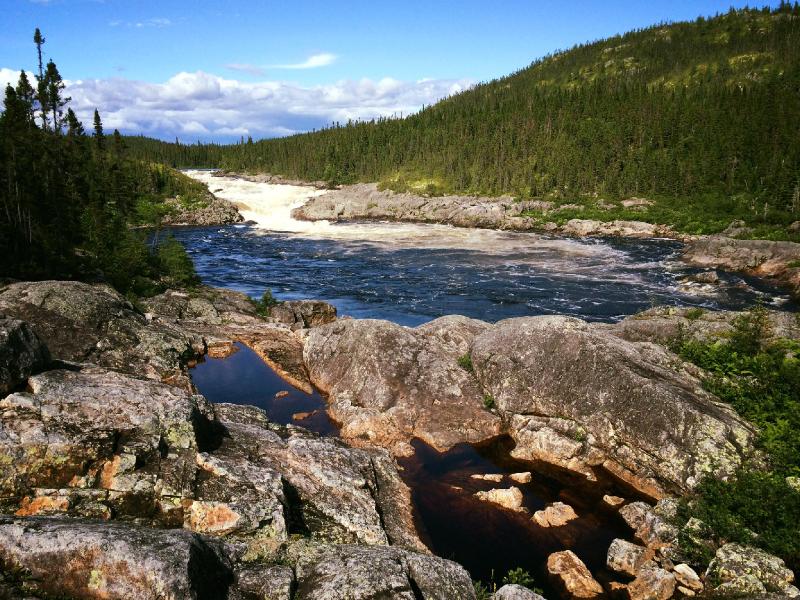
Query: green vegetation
{"points": [[267, 302], [694, 313], [760, 377], [518, 576], [68, 198], [702, 118], [488, 401], [465, 362]]}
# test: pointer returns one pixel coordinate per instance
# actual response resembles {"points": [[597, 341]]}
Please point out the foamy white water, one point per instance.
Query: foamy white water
{"points": [[270, 207]]}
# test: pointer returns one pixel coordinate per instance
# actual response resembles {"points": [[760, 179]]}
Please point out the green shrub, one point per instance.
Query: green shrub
{"points": [[520, 576], [755, 508], [266, 304], [482, 591], [760, 377], [465, 362], [694, 313], [174, 263], [488, 401]]}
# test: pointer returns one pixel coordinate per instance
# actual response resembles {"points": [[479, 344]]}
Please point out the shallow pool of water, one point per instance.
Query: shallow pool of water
{"points": [[243, 378]]}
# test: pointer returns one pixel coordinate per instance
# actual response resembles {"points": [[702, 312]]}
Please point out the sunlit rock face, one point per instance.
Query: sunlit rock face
{"points": [[582, 398]]}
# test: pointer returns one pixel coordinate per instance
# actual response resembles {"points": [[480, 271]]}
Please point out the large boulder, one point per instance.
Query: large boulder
{"points": [[93, 435], [388, 384], [109, 561], [513, 591], [98, 443], [22, 353], [581, 398], [303, 313], [80, 322]]}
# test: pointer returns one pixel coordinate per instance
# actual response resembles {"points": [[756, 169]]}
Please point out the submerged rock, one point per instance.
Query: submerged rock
{"points": [[510, 498], [555, 515]]}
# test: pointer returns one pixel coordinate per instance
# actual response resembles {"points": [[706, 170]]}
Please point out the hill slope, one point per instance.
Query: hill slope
{"points": [[707, 111]]}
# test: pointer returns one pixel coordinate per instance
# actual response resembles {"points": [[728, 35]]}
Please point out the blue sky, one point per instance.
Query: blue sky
{"points": [[297, 64]]}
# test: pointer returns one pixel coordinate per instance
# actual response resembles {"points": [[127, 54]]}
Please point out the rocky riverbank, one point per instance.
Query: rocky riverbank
{"points": [[103, 437], [208, 211]]}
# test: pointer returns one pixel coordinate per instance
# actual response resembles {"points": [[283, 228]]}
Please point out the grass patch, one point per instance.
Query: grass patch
{"points": [[488, 401], [465, 362]]}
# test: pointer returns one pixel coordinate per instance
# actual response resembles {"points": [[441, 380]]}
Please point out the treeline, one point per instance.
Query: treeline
{"points": [[707, 107], [68, 197]]}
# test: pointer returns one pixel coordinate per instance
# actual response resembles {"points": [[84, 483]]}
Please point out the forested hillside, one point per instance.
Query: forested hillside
{"points": [[709, 108], [68, 198]]}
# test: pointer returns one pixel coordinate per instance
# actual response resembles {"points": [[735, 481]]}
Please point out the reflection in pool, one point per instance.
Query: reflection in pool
{"points": [[243, 378]]}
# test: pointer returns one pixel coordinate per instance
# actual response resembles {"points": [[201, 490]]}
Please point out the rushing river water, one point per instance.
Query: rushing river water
{"points": [[411, 273]]}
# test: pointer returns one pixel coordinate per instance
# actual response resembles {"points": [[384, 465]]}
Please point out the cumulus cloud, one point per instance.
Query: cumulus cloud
{"points": [[203, 106]]}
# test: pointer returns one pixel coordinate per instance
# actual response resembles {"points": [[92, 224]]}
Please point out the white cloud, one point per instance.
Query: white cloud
{"points": [[205, 106], [312, 62]]}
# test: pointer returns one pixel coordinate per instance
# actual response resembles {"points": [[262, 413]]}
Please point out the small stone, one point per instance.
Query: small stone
{"points": [[571, 575], [301, 416], [555, 515], [510, 498], [282, 394], [687, 577], [524, 477], [686, 591], [613, 501], [496, 477], [42, 505]]}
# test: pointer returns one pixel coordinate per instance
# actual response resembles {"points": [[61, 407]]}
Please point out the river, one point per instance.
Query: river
{"points": [[411, 273]]}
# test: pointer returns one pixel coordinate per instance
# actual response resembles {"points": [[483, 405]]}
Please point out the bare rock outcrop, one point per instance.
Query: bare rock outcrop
{"points": [[388, 384], [208, 211], [581, 398], [366, 201], [760, 258], [571, 576], [80, 322]]}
